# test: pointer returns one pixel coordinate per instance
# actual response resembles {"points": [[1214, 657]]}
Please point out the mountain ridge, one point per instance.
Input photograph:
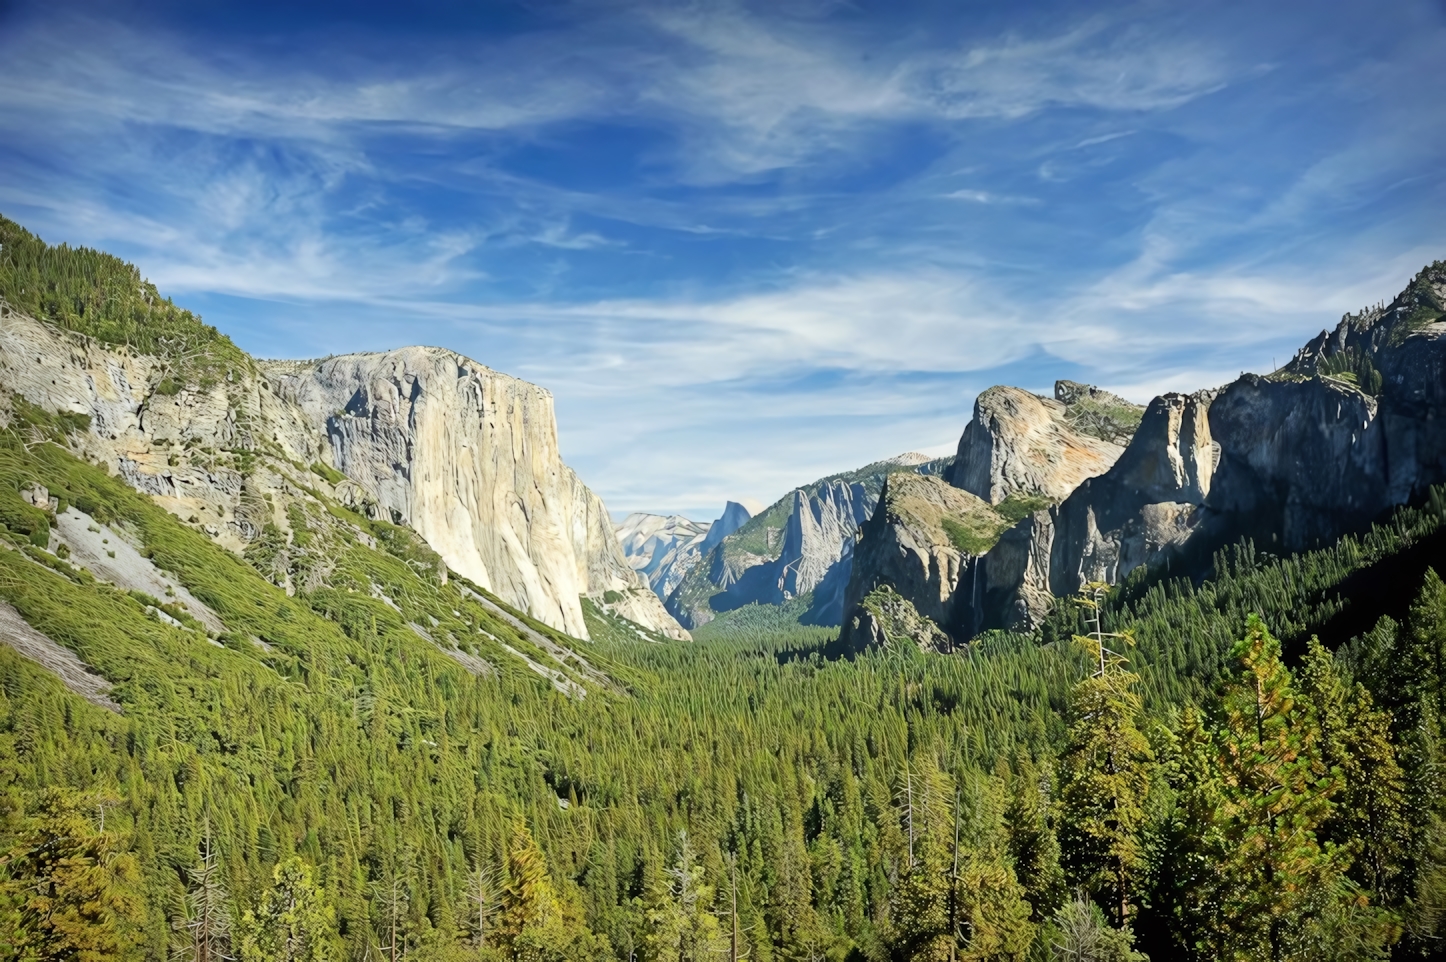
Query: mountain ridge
{"points": [[419, 436], [1318, 449]]}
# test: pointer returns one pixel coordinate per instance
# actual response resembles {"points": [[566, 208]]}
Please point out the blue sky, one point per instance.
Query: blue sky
{"points": [[745, 245]]}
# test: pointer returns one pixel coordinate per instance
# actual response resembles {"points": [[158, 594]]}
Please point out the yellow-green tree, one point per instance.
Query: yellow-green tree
{"points": [[681, 923], [295, 921], [533, 923], [73, 885]]}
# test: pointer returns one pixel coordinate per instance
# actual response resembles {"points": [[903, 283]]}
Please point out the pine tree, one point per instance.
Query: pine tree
{"points": [[681, 925], [392, 899], [1271, 795], [1079, 933], [923, 906], [1033, 846], [1368, 819], [295, 922], [1104, 776], [205, 929], [482, 903], [535, 924], [527, 896], [75, 885]]}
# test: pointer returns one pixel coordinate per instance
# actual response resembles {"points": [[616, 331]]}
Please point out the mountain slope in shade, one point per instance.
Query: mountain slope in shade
{"points": [[664, 548], [801, 545]]}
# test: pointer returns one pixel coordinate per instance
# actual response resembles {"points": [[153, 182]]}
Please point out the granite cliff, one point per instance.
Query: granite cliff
{"points": [[421, 437], [664, 548], [1022, 444], [1351, 427], [799, 547], [928, 541]]}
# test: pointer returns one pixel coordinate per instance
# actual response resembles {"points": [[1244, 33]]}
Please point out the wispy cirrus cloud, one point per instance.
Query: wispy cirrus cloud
{"points": [[743, 245]]}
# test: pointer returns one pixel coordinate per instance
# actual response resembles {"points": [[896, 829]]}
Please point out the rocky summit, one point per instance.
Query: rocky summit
{"points": [[1293, 460], [664, 548], [799, 549]]}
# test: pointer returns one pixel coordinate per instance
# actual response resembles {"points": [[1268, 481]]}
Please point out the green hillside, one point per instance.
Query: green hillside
{"points": [[325, 727], [389, 762]]}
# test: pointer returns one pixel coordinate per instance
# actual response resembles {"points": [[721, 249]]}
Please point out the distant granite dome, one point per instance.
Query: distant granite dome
{"points": [[664, 548], [799, 547]]}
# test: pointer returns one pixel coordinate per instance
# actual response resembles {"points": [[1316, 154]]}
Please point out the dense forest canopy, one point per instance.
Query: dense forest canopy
{"points": [[1167, 768]]}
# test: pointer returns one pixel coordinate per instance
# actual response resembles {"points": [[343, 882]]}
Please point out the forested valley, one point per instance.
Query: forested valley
{"points": [[1246, 768]]}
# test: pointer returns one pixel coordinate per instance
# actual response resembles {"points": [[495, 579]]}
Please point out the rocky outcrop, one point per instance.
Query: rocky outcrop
{"points": [[659, 546], [185, 445], [1352, 427], [801, 546], [923, 541], [1020, 454], [884, 619], [468, 458], [1021, 444], [663, 549], [1139, 512], [735, 515]]}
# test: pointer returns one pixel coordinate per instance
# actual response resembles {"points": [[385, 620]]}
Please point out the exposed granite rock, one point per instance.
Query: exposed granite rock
{"points": [[663, 549], [734, 516], [1350, 428], [801, 544], [424, 437], [923, 541], [884, 619], [656, 547], [1021, 444], [1138, 512], [468, 458], [180, 447]]}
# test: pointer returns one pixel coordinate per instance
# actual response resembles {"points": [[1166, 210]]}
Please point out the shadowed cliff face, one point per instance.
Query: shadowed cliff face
{"points": [[802, 544], [663, 549], [1353, 426]]}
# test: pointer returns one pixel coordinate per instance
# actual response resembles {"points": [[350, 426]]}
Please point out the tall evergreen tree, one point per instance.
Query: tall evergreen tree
{"points": [[1368, 818], [534, 924], [205, 928], [1263, 800], [681, 923], [1104, 776], [1033, 845]]}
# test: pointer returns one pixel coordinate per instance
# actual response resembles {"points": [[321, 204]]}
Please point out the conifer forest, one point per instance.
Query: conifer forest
{"points": [[1249, 766]]}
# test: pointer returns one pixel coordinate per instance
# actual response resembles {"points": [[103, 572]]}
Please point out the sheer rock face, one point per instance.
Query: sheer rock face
{"points": [[1140, 511], [1020, 443], [468, 458], [1017, 443], [814, 555], [905, 546], [660, 547], [818, 546], [1293, 461], [663, 549], [802, 543]]}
